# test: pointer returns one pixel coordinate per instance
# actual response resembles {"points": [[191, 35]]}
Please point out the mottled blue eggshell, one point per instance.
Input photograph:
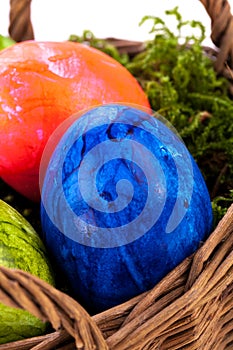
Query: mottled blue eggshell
{"points": [[123, 203]]}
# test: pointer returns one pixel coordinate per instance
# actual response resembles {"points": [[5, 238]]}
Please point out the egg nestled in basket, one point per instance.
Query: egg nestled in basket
{"points": [[123, 203], [20, 248], [42, 84]]}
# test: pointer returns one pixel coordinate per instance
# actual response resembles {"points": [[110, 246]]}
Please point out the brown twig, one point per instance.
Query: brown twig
{"points": [[20, 27]]}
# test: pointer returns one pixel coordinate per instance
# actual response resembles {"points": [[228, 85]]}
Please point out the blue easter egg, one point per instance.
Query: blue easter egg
{"points": [[123, 203]]}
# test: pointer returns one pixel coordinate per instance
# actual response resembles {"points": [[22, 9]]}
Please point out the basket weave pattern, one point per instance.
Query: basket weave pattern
{"points": [[191, 308]]}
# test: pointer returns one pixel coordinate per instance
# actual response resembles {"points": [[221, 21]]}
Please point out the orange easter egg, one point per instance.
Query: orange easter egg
{"points": [[42, 84]]}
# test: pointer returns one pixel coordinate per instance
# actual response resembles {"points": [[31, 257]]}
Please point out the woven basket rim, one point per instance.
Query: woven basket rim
{"points": [[181, 310]]}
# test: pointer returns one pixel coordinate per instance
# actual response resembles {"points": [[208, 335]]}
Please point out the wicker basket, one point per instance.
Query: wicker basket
{"points": [[191, 308]]}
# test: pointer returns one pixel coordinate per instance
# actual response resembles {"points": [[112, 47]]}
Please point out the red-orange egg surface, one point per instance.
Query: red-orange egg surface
{"points": [[42, 84]]}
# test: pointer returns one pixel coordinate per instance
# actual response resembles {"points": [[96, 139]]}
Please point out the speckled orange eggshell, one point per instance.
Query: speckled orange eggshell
{"points": [[43, 83]]}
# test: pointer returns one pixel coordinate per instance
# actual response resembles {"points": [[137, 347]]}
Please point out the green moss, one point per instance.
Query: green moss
{"points": [[182, 85], [21, 247]]}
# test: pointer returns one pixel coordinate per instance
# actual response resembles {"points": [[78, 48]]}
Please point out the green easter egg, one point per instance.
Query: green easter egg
{"points": [[21, 248]]}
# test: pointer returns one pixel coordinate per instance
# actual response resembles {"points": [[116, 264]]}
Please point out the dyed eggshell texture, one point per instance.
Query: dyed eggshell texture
{"points": [[123, 203], [43, 83]]}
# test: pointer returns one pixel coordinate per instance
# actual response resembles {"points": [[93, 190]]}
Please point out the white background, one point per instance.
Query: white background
{"points": [[56, 19]]}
